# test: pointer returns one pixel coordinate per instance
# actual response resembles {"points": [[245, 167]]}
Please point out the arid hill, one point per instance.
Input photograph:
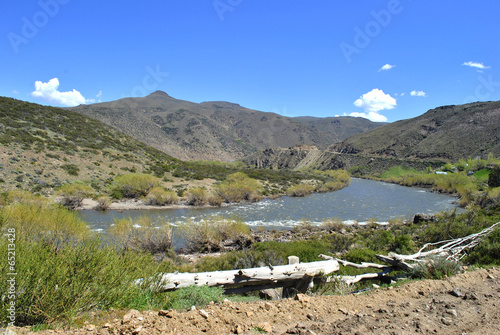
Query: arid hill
{"points": [[216, 130], [444, 134]]}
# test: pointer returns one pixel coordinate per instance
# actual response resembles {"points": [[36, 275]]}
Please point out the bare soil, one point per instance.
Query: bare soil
{"points": [[467, 303]]}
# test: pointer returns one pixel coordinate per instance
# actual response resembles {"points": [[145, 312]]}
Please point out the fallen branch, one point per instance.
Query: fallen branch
{"points": [[254, 276]]}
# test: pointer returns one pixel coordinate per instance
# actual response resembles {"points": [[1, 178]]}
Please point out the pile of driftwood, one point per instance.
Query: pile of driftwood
{"points": [[299, 277]]}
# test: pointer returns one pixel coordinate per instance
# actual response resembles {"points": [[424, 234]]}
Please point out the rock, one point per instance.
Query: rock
{"points": [[302, 297], [107, 325], [471, 296], [452, 312], [130, 315], [266, 326], [249, 314], [268, 306], [456, 293], [490, 276], [270, 294], [239, 329], [418, 218], [90, 328], [193, 308], [167, 314], [447, 321], [204, 314], [137, 330], [343, 311], [375, 286]]}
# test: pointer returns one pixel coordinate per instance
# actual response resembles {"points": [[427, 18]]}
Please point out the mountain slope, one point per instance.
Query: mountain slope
{"points": [[443, 134], [216, 130], [42, 147], [447, 133]]}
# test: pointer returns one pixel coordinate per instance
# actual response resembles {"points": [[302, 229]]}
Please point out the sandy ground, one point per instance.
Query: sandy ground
{"points": [[467, 303]]}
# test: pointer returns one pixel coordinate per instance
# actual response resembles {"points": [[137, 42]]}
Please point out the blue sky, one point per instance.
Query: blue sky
{"points": [[384, 60]]}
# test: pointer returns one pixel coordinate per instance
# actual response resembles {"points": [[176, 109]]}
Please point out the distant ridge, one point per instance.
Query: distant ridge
{"points": [[216, 130], [444, 134]]}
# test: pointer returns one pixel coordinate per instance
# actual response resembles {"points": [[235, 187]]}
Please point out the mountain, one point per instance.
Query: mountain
{"points": [[444, 134], [447, 133], [216, 130]]}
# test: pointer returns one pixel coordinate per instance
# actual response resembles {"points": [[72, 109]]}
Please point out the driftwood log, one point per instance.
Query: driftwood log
{"points": [[262, 276]]}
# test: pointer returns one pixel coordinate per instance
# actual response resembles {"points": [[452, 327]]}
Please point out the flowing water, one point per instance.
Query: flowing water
{"points": [[363, 200]]}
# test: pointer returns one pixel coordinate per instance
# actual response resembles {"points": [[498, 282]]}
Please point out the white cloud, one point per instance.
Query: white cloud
{"points": [[386, 67], [49, 92], [375, 100], [476, 65], [418, 94], [15, 92], [372, 116]]}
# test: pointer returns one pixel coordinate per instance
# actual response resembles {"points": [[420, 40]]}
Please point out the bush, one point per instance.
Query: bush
{"points": [[436, 268], [360, 255], [196, 196], [73, 194], [307, 251], [238, 187], [48, 223], [103, 203], [158, 196], [494, 177], [56, 286], [215, 200], [134, 185], [143, 235], [487, 252], [300, 190], [209, 235], [194, 296], [71, 169]]}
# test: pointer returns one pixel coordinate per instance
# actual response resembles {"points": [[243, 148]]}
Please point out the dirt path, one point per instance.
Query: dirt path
{"points": [[464, 304]]}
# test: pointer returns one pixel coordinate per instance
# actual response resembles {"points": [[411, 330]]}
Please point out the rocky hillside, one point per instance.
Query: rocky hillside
{"points": [[42, 147], [216, 130], [443, 134], [447, 133]]}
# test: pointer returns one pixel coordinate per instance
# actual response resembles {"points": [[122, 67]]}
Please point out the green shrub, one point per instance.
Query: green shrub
{"points": [[435, 268], [494, 177], [307, 251], [158, 196], [214, 200], [238, 187], [71, 169], [56, 286], [403, 244], [134, 185], [196, 196], [209, 235], [73, 194], [143, 234], [300, 190], [359, 255], [194, 296], [103, 203], [487, 252], [48, 223]]}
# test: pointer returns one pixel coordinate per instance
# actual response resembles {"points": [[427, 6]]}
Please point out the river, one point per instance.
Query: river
{"points": [[362, 201]]}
